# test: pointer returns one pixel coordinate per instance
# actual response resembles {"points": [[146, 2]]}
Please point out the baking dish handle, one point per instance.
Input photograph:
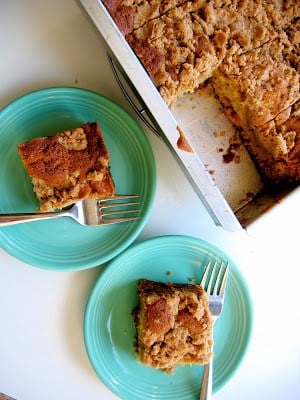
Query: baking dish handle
{"points": [[140, 110]]}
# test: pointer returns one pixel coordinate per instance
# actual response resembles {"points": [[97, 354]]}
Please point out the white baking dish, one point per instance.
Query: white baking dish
{"points": [[232, 192]]}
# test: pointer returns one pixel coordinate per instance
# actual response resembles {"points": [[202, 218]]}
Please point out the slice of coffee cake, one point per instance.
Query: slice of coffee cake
{"points": [[174, 325], [177, 52], [276, 145], [69, 166]]}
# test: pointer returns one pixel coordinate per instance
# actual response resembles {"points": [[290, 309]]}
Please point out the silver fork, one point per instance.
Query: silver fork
{"points": [[214, 283], [109, 210]]}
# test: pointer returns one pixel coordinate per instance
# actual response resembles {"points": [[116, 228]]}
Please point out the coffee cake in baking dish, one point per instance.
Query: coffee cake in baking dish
{"points": [[69, 166], [177, 52], [174, 325], [247, 49]]}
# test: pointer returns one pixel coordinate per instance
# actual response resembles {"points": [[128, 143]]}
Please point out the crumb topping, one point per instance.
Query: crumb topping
{"points": [[174, 325], [68, 166], [249, 51]]}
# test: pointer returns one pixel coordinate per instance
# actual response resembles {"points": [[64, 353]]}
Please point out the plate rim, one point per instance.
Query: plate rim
{"points": [[61, 91], [161, 238], [57, 88]]}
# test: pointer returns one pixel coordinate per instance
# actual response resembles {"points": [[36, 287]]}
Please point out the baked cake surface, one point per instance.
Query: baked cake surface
{"points": [[174, 325], [250, 52], [176, 50], [68, 166], [132, 14]]}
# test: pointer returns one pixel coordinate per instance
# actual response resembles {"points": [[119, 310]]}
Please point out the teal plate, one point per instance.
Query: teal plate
{"points": [[109, 330], [64, 244]]}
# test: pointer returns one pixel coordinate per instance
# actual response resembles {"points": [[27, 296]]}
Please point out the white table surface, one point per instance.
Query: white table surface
{"points": [[42, 354]]}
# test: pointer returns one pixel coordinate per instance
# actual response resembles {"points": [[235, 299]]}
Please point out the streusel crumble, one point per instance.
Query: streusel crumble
{"points": [[69, 166], [174, 325]]}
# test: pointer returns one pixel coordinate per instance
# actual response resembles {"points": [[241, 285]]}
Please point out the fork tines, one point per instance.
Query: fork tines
{"points": [[213, 280], [112, 210]]}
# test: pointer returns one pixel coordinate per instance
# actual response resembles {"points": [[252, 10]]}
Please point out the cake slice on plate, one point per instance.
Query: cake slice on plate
{"points": [[68, 166], [174, 325]]}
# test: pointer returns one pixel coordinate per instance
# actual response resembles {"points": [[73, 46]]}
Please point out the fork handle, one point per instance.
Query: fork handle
{"points": [[206, 384], [13, 219]]}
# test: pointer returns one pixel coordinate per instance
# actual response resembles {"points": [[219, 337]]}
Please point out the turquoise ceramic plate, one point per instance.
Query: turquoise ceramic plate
{"points": [[109, 329], [64, 244]]}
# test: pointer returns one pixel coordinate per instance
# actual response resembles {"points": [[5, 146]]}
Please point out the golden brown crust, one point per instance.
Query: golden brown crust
{"points": [[68, 166], [174, 325], [123, 14]]}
